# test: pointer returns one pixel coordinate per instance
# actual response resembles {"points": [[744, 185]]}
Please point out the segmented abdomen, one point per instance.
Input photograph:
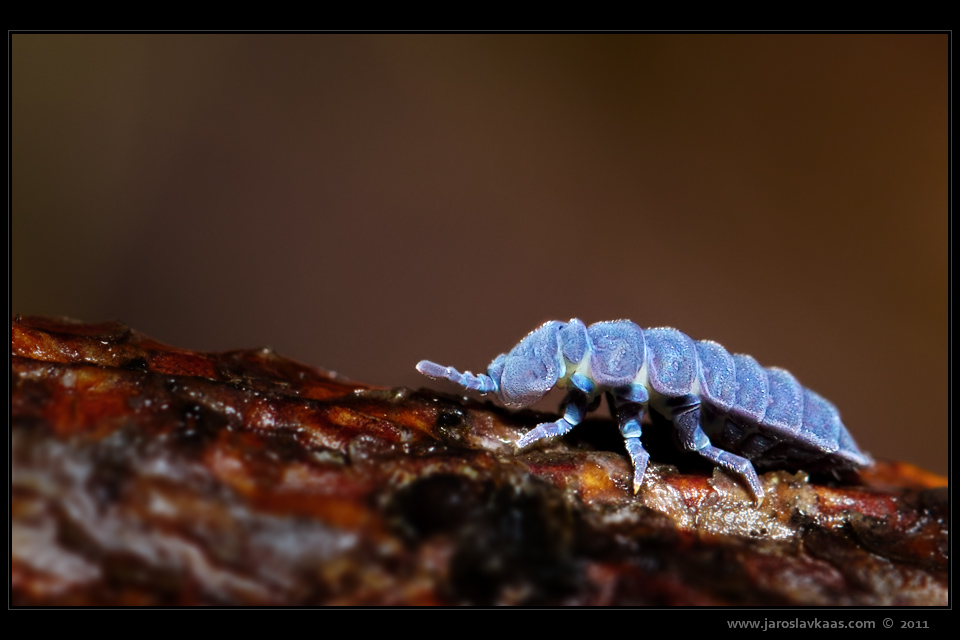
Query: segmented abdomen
{"points": [[762, 414], [765, 415]]}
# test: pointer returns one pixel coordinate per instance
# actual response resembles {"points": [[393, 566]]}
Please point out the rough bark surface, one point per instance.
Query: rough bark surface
{"points": [[146, 474]]}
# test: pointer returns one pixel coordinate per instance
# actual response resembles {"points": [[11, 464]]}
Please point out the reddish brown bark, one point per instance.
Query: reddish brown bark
{"points": [[146, 474]]}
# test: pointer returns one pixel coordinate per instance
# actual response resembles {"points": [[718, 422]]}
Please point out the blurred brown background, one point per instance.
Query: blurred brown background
{"points": [[362, 202]]}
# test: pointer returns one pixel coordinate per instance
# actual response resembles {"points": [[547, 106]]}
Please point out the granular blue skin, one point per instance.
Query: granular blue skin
{"points": [[727, 408]]}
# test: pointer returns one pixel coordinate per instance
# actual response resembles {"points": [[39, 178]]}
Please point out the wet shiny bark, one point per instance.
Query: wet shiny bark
{"points": [[146, 474]]}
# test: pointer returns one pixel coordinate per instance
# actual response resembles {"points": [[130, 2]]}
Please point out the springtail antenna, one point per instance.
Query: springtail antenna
{"points": [[480, 382]]}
